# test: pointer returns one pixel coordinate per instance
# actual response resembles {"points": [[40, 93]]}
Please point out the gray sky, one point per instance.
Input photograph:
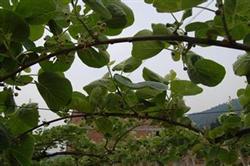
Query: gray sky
{"points": [[81, 75]]}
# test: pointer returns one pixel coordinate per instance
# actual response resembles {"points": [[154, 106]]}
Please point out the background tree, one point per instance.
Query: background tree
{"points": [[114, 105]]}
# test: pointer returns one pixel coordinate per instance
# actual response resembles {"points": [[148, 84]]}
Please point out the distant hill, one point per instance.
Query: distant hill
{"points": [[208, 118]]}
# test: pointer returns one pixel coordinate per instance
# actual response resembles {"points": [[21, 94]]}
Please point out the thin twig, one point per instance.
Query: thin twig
{"points": [[205, 8], [113, 114], [81, 21]]}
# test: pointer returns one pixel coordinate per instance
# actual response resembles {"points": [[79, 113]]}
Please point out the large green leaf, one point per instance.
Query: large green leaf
{"points": [[105, 83], [146, 49], [227, 157], [23, 150], [7, 102], [36, 32], [36, 12], [241, 66], [25, 118], [184, 88], [61, 64], [175, 5], [79, 102], [5, 4], [55, 90], [126, 9], [98, 7], [210, 73], [13, 25], [119, 17], [204, 71], [128, 83], [92, 58], [97, 96], [149, 75], [104, 125], [21, 80], [4, 138], [128, 65]]}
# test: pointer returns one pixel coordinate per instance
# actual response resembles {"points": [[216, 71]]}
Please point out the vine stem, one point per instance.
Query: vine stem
{"points": [[65, 153], [187, 39], [113, 114]]}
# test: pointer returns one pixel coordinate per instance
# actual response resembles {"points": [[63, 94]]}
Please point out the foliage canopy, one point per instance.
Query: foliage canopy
{"points": [[114, 105]]}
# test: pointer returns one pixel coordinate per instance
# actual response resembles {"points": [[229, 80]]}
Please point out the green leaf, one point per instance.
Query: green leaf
{"points": [[4, 138], [36, 32], [149, 75], [54, 27], [146, 49], [105, 83], [20, 81], [59, 64], [175, 5], [126, 82], [79, 102], [211, 73], [96, 96], [113, 102], [227, 157], [55, 90], [247, 120], [230, 120], [128, 11], [130, 98], [13, 25], [119, 17], [186, 14], [7, 102], [239, 31], [247, 39], [36, 12], [196, 26], [184, 88], [216, 132], [161, 29], [25, 118], [5, 4], [128, 65], [204, 71], [146, 93], [104, 125], [241, 66], [23, 151], [99, 8], [92, 58]]}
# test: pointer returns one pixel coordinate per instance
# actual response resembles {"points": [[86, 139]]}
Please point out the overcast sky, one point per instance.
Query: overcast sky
{"points": [[81, 75]]}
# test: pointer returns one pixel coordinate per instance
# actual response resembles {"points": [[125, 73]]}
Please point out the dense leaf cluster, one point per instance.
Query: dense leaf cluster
{"points": [[115, 106]]}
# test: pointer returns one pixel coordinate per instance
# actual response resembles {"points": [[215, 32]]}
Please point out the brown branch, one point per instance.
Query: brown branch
{"points": [[239, 134], [114, 114], [187, 39], [48, 155]]}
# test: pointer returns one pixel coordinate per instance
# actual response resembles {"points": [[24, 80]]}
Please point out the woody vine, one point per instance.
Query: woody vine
{"points": [[114, 105]]}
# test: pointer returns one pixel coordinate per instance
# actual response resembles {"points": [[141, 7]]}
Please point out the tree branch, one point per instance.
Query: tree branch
{"points": [[114, 114], [187, 39], [239, 134], [48, 155]]}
